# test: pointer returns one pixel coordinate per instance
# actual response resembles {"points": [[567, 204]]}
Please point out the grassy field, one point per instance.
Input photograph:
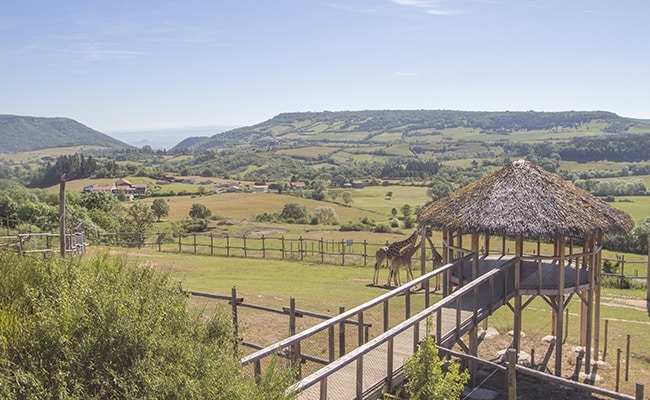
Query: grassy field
{"points": [[324, 288]]}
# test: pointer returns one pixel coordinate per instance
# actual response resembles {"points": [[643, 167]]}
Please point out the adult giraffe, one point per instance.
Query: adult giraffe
{"points": [[405, 260], [390, 252]]}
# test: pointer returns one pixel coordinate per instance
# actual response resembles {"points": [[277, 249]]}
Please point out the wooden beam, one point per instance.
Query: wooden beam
{"points": [[560, 244]]}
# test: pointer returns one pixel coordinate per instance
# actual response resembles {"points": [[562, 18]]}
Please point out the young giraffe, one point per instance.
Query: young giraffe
{"points": [[390, 252], [403, 260]]}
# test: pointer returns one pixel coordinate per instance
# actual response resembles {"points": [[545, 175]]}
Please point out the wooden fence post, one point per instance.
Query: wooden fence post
{"points": [[627, 359], [227, 246], [263, 247], [245, 252], [322, 251], [282, 247], [342, 252], [512, 374], [211, 244], [180, 246], [639, 391], [618, 369], [365, 252], [194, 241], [233, 303], [300, 247]]}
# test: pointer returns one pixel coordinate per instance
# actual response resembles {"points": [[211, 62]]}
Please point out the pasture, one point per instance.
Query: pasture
{"points": [[324, 288]]}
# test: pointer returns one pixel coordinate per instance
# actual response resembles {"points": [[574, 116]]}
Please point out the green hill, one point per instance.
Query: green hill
{"points": [[421, 126], [22, 133]]}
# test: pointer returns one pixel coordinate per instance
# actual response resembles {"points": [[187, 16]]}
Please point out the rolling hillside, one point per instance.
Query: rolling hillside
{"points": [[427, 127], [22, 133]]}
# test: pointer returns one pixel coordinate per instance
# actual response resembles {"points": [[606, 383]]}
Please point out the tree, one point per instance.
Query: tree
{"points": [[136, 222], [326, 215], [200, 211], [160, 208], [439, 189], [104, 201], [406, 210], [425, 379], [347, 197], [8, 209], [294, 212]]}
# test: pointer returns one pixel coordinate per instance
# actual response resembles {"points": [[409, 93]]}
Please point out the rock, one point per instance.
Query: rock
{"points": [[548, 339], [512, 333], [591, 378], [523, 357], [490, 333]]}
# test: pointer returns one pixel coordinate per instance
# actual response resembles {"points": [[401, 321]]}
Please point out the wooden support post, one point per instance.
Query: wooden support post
{"points": [[360, 342], [295, 348], [591, 271], [560, 244], [341, 334], [596, 306], [519, 249], [605, 345], [647, 274]]}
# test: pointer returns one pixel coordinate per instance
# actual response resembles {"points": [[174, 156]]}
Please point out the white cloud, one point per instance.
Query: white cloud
{"points": [[431, 7]]}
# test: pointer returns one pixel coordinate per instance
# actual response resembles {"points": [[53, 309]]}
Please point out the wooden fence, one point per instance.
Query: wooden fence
{"points": [[344, 251], [43, 243]]}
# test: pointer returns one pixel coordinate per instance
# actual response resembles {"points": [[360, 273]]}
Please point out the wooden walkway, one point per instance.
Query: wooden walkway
{"points": [[342, 384], [372, 363], [367, 370]]}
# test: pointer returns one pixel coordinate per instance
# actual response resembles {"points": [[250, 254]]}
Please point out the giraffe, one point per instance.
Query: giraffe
{"points": [[380, 257], [436, 257], [391, 251], [403, 260]]}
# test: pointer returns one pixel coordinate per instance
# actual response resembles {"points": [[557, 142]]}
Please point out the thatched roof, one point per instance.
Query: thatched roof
{"points": [[524, 199]]}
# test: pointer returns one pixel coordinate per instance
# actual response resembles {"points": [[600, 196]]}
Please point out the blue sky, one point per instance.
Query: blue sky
{"points": [[130, 65]]}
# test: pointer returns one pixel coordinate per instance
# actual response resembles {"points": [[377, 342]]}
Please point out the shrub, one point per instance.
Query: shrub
{"points": [[101, 329], [381, 228], [425, 378]]}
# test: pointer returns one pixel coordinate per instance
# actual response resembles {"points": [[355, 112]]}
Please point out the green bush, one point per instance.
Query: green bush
{"points": [[99, 329], [426, 379]]}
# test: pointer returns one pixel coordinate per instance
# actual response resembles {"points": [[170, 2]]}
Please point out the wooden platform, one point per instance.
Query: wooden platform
{"points": [[536, 278]]}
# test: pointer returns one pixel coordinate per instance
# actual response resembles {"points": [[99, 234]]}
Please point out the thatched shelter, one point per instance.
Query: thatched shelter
{"points": [[523, 202], [524, 199]]}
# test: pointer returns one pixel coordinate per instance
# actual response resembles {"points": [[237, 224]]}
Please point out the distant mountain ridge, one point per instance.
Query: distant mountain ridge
{"points": [[371, 126], [24, 133]]}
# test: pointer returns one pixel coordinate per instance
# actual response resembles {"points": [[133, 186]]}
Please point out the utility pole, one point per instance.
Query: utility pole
{"points": [[62, 215]]}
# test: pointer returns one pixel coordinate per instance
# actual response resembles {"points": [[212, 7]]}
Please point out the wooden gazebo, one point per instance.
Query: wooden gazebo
{"points": [[523, 202]]}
